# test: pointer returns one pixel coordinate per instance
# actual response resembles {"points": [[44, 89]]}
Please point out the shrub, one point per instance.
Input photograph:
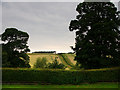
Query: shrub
{"points": [[55, 65], [41, 63]]}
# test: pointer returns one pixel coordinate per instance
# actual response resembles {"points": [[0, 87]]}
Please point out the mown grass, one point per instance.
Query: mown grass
{"points": [[64, 61], [68, 60], [96, 85], [71, 58]]}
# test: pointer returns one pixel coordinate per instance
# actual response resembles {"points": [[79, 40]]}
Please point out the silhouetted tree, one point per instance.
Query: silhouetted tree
{"points": [[97, 35], [14, 48]]}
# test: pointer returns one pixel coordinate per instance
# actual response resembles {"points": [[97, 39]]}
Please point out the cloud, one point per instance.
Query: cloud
{"points": [[46, 23]]}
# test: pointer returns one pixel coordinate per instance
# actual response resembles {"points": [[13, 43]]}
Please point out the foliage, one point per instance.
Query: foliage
{"points": [[55, 65], [41, 63], [56, 76], [14, 48], [97, 35]]}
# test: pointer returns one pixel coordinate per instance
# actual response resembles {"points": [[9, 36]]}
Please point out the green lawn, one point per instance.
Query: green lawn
{"points": [[97, 85]]}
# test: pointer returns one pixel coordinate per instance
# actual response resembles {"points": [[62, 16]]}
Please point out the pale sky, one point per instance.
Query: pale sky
{"points": [[47, 23]]}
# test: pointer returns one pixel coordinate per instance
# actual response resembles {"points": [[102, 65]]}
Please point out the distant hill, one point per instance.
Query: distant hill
{"points": [[66, 59]]}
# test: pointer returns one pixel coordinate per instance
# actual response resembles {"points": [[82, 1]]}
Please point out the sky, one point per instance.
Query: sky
{"points": [[47, 23]]}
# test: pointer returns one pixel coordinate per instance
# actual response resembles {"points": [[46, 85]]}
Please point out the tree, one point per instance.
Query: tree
{"points": [[56, 65], [14, 48], [97, 35], [41, 63]]}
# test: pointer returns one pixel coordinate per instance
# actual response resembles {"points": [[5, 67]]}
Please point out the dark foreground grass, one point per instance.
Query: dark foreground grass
{"points": [[96, 85]]}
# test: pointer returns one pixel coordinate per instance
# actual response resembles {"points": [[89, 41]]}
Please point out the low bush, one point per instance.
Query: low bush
{"points": [[48, 76], [41, 63], [56, 65]]}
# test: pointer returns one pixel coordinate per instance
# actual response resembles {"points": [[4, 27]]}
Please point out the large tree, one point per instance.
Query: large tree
{"points": [[97, 35], [14, 48]]}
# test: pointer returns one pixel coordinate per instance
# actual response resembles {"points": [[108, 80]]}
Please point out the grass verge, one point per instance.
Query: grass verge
{"points": [[96, 85]]}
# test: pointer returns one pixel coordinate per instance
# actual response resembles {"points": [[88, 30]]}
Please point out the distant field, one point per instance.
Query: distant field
{"points": [[71, 58], [49, 57], [66, 59]]}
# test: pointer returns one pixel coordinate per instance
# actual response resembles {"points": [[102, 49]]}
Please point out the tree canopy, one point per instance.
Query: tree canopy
{"points": [[97, 35], [14, 48]]}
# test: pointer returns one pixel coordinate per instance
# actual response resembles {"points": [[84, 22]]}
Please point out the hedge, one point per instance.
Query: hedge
{"points": [[12, 75]]}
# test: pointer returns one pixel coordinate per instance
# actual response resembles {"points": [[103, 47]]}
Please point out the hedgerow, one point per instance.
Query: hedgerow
{"points": [[50, 76]]}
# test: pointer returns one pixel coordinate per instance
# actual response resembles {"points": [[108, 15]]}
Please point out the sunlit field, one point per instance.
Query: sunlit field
{"points": [[66, 59]]}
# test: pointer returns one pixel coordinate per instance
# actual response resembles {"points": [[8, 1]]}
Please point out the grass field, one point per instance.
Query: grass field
{"points": [[49, 57], [96, 85], [66, 59], [71, 58]]}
